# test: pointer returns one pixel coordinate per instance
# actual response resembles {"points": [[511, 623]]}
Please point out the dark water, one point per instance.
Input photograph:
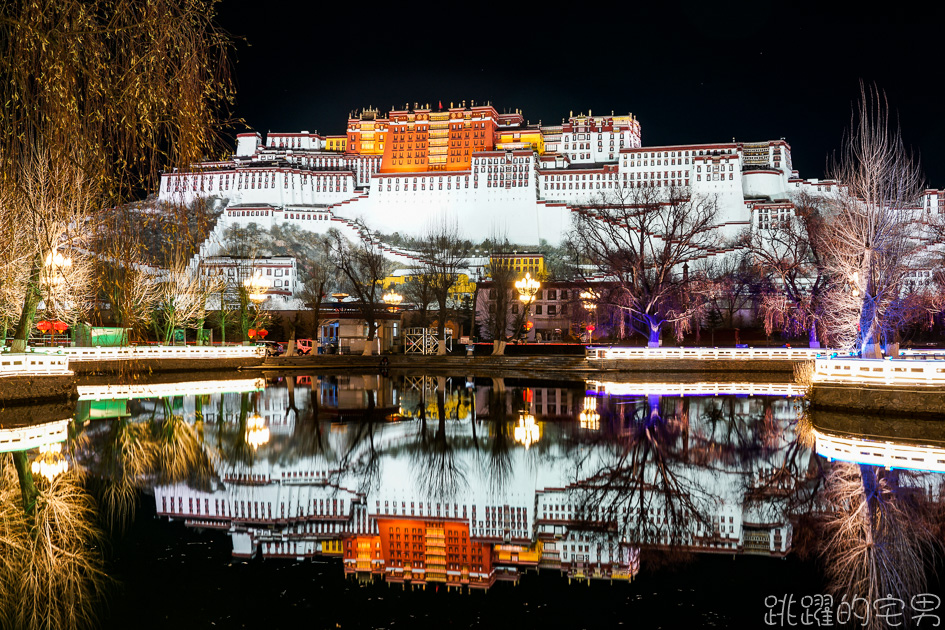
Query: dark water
{"points": [[411, 501]]}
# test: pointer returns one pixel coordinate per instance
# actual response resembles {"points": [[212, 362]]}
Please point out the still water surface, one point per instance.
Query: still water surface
{"points": [[375, 501]]}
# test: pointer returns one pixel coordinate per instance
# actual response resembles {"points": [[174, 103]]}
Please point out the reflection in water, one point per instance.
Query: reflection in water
{"points": [[465, 482], [442, 480]]}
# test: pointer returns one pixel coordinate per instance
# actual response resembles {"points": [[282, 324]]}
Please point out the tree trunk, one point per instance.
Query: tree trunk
{"points": [[498, 347], [653, 325], [27, 487], [441, 334], [33, 296], [814, 343], [290, 346]]}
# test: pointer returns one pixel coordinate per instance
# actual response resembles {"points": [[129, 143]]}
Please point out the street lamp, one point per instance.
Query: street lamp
{"points": [[51, 463], [256, 286], [526, 432], [527, 287], [393, 300], [54, 270], [589, 300]]}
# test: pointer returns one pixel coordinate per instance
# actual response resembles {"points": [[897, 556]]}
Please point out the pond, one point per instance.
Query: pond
{"points": [[388, 501]]}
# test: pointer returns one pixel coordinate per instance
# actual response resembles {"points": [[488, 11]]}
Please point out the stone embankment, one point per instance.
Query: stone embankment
{"points": [[550, 366]]}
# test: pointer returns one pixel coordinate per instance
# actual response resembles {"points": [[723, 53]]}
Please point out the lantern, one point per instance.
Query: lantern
{"points": [[262, 332], [252, 333], [44, 325]]}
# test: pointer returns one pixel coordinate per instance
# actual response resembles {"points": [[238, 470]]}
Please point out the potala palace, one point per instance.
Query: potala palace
{"points": [[493, 173]]}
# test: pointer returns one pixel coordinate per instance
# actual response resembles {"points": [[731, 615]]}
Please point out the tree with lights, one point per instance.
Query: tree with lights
{"points": [[789, 253], [871, 237], [644, 242]]}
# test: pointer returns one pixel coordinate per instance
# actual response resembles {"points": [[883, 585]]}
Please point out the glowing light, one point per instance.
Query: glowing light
{"points": [[393, 300], [51, 463], [257, 433], [527, 287], [257, 287], [589, 417], [589, 299], [526, 431]]}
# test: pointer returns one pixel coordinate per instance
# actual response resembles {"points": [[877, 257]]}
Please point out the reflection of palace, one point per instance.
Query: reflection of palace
{"points": [[424, 480]]}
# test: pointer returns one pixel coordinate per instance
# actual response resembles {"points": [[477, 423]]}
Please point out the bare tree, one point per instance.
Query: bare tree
{"points": [[502, 274], [362, 267], [312, 258], [645, 241], [871, 238], [182, 301], [444, 254], [788, 251]]}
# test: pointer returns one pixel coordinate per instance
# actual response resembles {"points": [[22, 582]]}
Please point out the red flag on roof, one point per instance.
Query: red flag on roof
{"points": [[441, 104]]}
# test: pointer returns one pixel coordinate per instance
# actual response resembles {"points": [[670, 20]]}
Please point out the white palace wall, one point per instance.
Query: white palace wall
{"points": [[514, 192]]}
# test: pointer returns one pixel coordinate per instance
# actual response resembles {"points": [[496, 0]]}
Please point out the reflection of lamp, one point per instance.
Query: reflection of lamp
{"points": [[257, 286], [527, 287], [393, 300], [257, 433], [51, 463], [526, 431], [589, 417]]}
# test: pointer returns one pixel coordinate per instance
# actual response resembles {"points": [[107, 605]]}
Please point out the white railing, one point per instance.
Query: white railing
{"points": [[25, 438], [154, 352], [30, 364], [880, 371], [695, 389], [923, 354], [702, 354], [158, 390], [877, 453]]}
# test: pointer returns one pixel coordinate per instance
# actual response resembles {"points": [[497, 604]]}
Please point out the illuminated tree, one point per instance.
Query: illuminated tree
{"points": [[96, 99], [789, 253], [871, 236], [645, 241]]}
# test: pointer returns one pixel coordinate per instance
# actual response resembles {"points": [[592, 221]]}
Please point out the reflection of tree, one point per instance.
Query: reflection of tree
{"points": [[181, 454], [51, 574], [879, 533], [499, 456], [308, 436], [129, 455], [363, 465], [438, 475], [642, 476]]}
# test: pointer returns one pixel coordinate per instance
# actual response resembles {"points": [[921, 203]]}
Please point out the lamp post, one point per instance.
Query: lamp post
{"points": [[256, 287], [589, 300], [393, 300], [527, 288]]}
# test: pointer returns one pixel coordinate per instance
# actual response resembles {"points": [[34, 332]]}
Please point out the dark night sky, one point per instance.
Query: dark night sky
{"points": [[701, 73]]}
